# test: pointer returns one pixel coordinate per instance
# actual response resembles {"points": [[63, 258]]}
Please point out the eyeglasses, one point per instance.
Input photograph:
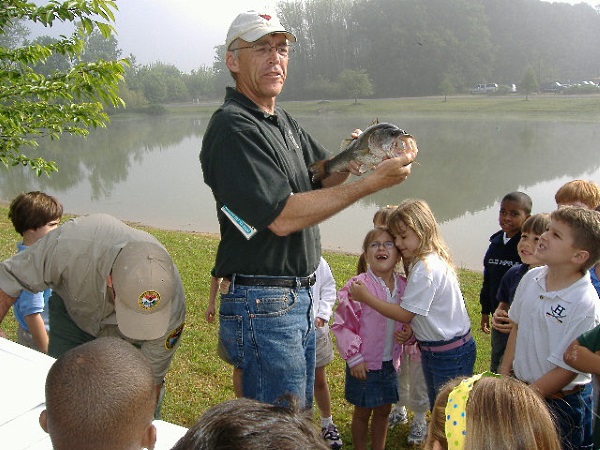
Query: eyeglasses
{"points": [[264, 49], [388, 245]]}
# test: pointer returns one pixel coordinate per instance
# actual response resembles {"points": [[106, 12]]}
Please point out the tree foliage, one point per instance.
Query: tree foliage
{"points": [[529, 82], [45, 101], [200, 83], [447, 87], [356, 83], [408, 47]]}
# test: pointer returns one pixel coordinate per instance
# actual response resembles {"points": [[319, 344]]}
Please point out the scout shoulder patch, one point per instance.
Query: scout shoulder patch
{"points": [[173, 337]]}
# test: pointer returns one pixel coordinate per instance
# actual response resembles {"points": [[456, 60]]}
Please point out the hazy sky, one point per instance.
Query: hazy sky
{"points": [[185, 32], [179, 32]]}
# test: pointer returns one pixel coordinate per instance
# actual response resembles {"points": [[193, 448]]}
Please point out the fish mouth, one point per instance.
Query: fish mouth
{"points": [[398, 146]]}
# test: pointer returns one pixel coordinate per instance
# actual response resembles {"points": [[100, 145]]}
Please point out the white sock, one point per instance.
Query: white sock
{"points": [[326, 421]]}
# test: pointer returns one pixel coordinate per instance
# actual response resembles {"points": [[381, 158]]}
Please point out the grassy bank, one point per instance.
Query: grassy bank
{"points": [[198, 378], [563, 107]]}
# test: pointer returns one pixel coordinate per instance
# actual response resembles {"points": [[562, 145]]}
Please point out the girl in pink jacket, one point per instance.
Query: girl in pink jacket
{"points": [[366, 341]]}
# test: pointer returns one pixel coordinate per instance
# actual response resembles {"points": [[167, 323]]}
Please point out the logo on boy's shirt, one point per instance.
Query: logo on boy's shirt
{"points": [[502, 262], [557, 312]]}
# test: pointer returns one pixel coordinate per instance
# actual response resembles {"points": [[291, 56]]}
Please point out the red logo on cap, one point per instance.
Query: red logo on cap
{"points": [[149, 300], [265, 16]]}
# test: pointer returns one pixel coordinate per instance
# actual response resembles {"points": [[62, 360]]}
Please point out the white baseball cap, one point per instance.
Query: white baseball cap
{"points": [[252, 25]]}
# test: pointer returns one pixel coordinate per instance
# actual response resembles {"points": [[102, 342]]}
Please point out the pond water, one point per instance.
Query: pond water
{"points": [[147, 170]]}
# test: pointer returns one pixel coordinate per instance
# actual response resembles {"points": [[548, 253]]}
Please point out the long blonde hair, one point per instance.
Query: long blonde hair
{"points": [[417, 215], [501, 413]]}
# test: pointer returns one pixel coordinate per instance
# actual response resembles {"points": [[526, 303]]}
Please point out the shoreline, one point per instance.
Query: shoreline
{"points": [[211, 235], [207, 234]]}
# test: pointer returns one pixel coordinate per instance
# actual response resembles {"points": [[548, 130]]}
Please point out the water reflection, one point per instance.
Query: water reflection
{"points": [[147, 170], [465, 164]]}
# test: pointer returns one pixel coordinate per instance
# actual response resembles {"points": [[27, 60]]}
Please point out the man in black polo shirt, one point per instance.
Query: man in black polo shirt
{"points": [[255, 158]]}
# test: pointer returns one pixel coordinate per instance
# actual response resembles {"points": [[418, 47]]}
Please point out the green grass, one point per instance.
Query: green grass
{"points": [[563, 107], [198, 378]]}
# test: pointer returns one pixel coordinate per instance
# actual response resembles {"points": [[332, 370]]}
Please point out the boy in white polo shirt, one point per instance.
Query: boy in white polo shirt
{"points": [[553, 305]]}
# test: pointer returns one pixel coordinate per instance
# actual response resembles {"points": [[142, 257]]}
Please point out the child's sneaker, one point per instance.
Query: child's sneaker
{"points": [[397, 415], [332, 436], [418, 430]]}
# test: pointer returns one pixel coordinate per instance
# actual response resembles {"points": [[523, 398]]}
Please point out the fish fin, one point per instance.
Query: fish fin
{"points": [[375, 122], [318, 170], [345, 144]]}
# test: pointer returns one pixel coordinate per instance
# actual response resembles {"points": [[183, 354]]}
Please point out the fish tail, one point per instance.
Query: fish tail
{"points": [[318, 170]]}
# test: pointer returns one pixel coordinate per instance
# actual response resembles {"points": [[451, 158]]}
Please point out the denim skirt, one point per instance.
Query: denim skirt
{"points": [[380, 387]]}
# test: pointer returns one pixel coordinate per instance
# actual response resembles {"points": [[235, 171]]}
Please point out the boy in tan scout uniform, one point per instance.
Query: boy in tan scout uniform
{"points": [[108, 279]]}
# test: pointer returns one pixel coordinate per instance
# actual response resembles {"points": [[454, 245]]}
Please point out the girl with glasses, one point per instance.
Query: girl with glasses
{"points": [[365, 340]]}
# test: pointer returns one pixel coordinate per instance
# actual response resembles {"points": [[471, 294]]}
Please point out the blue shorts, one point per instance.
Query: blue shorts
{"points": [[268, 332], [380, 387]]}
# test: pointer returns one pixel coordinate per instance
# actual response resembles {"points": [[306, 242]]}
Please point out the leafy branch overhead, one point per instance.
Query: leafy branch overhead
{"points": [[37, 103]]}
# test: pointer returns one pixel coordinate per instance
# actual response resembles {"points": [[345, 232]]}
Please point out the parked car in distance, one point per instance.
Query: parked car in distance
{"points": [[487, 88], [555, 86]]}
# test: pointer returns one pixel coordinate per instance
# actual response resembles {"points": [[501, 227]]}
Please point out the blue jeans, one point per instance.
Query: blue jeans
{"points": [[573, 415], [441, 367], [269, 333]]}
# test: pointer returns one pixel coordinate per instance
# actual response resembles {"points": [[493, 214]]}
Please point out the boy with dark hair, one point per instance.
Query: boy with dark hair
{"points": [[33, 214], [247, 424], [501, 255], [553, 305], [100, 396]]}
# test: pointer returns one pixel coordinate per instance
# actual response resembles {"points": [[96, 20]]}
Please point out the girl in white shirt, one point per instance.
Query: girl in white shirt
{"points": [[432, 301]]}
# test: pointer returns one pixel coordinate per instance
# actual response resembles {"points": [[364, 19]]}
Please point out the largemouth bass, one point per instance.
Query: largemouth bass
{"points": [[378, 142]]}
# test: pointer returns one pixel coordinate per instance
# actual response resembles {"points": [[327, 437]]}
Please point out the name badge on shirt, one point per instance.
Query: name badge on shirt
{"points": [[247, 230]]}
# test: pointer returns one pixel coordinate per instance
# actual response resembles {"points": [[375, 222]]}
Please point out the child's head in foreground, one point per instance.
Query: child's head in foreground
{"points": [[247, 424], [578, 193], [573, 236], [100, 395], [487, 412], [34, 210], [515, 208], [414, 218]]}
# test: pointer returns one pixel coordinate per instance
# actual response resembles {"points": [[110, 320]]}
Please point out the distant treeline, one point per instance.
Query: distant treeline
{"points": [[406, 48], [411, 47], [386, 48]]}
